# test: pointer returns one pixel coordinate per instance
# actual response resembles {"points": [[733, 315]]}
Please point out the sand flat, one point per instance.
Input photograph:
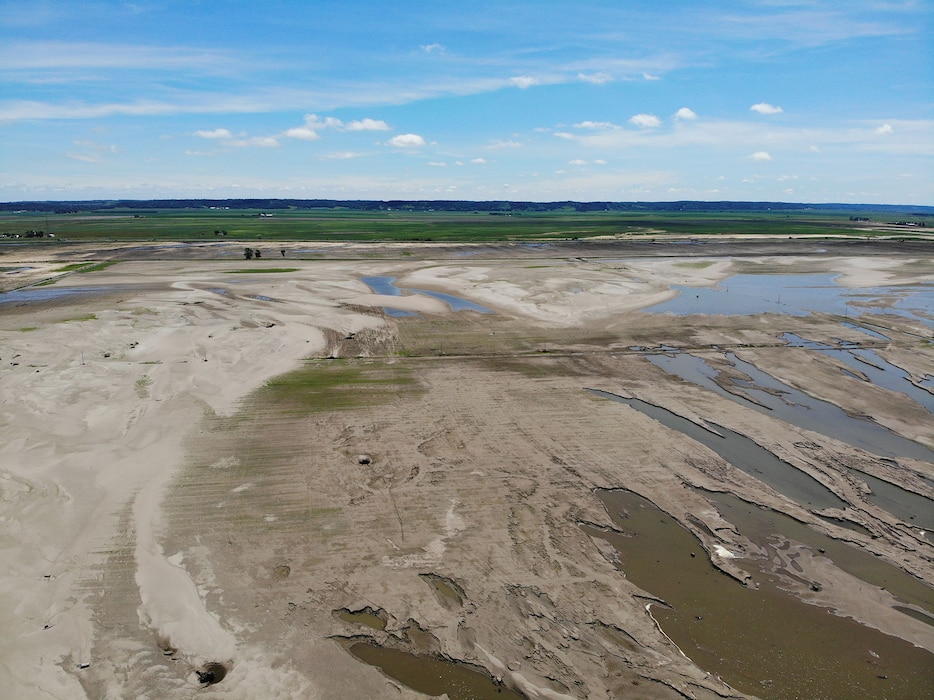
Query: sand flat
{"points": [[158, 513]]}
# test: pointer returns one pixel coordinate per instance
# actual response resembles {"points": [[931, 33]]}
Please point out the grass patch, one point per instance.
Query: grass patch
{"points": [[72, 267], [78, 319], [333, 386], [27, 329], [259, 270], [96, 267], [45, 283], [695, 265]]}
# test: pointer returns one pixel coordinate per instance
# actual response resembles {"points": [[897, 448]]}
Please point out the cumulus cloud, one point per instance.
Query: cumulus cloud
{"points": [[766, 108], [685, 113], [437, 164], [577, 161], [301, 132], [595, 125], [367, 125], [649, 76], [595, 78], [433, 48], [257, 141], [314, 124], [505, 144], [564, 135], [407, 141], [478, 161], [313, 121], [646, 121], [523, 81], [761, 156], [341, 155], [214, 133], [884, 129]]}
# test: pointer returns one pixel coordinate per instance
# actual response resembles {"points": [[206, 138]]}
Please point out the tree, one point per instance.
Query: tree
{"points": [[258, 253], [248, 253]]}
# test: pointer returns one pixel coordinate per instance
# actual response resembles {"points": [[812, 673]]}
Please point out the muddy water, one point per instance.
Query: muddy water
{"points": [[868, 364], [761, 641], [385, 285], [761, 525], [365, 617], [433, 676], [799, 295], [777, 399], [743, 454], [912, 508]]}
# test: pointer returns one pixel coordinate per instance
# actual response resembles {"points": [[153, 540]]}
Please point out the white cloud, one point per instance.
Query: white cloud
{"points": [[367, 125], [523, 81], [342, 155], [407, 141], [257, 141], [766, 108], [685, 113], [313, 121], [301, 132], [600, 161], [504, 144], [646, 121], [595, 78], [478, 161], [595, 125], [565, 135], [884, 129], [577, 161], [214, 133], [761, 156], [437, 164], [433, 48], [814, 149], [649, 76]]}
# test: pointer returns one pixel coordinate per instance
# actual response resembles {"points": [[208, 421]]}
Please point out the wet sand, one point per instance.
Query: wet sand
{"points": [[184, 483]]}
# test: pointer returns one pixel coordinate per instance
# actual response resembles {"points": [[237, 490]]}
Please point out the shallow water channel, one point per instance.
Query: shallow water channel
{"points": [[799, 295], [763, 641], [779, 400], [385, 285], [743, 454], [433, 675]]}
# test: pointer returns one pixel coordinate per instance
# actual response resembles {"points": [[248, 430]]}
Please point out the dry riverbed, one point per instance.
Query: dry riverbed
{"points": [[269, 473]]}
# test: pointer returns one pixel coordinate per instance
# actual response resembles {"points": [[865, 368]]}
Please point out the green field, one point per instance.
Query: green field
{"points": [[294, 224]]}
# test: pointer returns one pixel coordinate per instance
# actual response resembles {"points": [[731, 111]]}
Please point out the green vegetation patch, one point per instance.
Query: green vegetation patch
{"points": [[78, 319], [259, 270], [73, 266], [27, 329], [97, 267], [334, 385], [695, 265]]}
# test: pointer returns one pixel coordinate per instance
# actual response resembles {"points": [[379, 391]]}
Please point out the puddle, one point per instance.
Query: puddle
{"points": [[382, 285], [32, 294], [764, 642], [779, 400], [432, 675], [868, 331], [456, 303], [799, 295], [761, 525], [448, 589], [387, 286], [368, 617], [744, 454], [910, 507], [866, 362]]}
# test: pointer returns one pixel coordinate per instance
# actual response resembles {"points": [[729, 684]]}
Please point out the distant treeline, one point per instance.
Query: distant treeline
{"points": [[493, 206]]}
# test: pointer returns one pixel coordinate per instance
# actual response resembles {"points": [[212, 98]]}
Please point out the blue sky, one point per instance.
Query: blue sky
{"points": [[786, 100]]}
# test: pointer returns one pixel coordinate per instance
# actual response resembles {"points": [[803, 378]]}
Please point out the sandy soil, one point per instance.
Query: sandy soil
{"points": [[157, 513]]}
